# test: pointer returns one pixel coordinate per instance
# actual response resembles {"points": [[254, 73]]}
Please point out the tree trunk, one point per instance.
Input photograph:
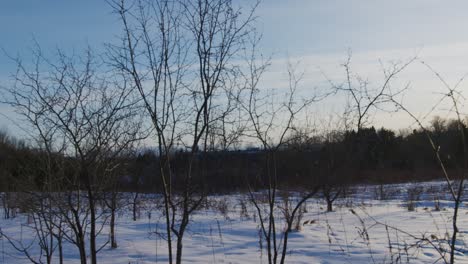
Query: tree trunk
{"points": [[180, 236], [179, 250], [80, 238], [60, 248], [92, 227], [82, 250], [112, 226], [329, 205], [168, 225], [134, 209]]}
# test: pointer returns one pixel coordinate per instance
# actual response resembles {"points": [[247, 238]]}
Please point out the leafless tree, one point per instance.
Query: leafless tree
{"points": [[111, 194], [332, 163], [453, 95], [178, 55], [87, 118], [363, 98], [272, 118]]}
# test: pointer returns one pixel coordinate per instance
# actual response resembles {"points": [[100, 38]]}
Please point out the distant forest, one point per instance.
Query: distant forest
{"points": [[338, 158]]}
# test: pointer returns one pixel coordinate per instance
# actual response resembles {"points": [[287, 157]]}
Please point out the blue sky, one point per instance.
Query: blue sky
{"points": [[316, 32], [294, 26]]}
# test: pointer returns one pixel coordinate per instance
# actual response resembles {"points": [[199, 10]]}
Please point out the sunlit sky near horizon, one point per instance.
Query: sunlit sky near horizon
{"points": [[318, 33]]}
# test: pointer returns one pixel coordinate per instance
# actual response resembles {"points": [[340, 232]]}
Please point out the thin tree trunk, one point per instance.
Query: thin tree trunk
{"points": [[92, 228], [112, 227], [179, 250], [80, 238], [168, 225], [179, 243], [454, 222], [183, 226], [82, 250], [329, 205], [135, 201], [60, 247]]}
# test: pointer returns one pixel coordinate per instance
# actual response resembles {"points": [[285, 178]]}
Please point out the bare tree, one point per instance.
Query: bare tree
{"points": [[455, 183], [178, 55], [332, 165], [89, 121], [272, 118], [363, 98]]}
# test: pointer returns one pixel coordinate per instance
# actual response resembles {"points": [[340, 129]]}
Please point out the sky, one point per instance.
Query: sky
{"points": [[317, 33]]}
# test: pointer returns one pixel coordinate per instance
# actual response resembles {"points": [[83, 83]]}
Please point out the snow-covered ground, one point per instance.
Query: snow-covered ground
{"points": [[353, 233]]}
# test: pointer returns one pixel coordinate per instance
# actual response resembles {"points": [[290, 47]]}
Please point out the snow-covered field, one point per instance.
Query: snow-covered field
{"points": [[353, 233]]}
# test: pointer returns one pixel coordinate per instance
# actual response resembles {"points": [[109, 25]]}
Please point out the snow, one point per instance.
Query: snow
{"points": [[215, 236]]}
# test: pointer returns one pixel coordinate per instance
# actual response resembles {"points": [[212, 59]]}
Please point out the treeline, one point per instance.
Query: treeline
{"points": [[342, 157]]}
